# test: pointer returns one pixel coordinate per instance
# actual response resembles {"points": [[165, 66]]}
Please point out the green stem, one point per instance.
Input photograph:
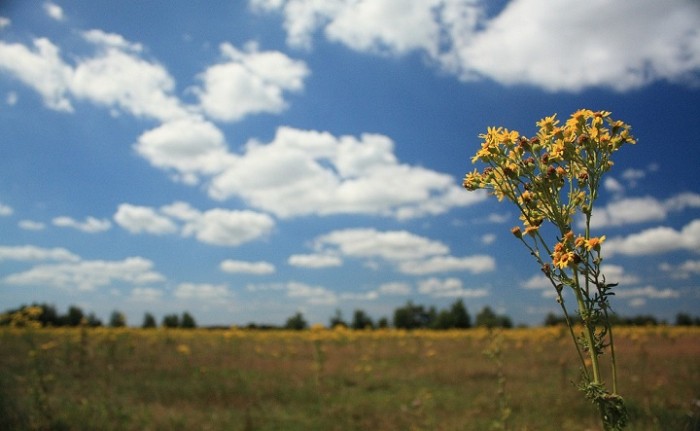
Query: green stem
{"points": [[589, 328]]}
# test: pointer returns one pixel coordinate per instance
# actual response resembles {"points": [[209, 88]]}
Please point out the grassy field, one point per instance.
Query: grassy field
{"points": [[133, 379]]}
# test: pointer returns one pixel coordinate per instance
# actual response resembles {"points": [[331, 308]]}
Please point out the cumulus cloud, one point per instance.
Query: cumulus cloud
{"points": [[473, 264], [202, 291], [682, 271], [245, 267], [145, 294], [216, 226], [249, 82], [189, 146], [549, 45], [54, 11], [449, 287], [316, 295], [119, 77], [88, 275], [5, 210], [41, 68], [395, 288], [649, 292], [656, 240], [30, 252], [314, 260], [90, 225], [626, 211], [309, 172], [140, 219], [411, 254], [31, 225]]}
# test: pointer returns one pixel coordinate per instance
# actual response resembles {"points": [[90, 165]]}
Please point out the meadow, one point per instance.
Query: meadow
{"points": [[323, 379]]}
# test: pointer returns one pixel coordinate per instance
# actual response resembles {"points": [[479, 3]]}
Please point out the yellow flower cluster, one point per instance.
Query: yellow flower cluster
{"points": [[568, 252], [553, 174]]}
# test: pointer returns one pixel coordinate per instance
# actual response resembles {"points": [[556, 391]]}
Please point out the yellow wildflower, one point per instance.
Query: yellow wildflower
{"points": [[594, 243]]}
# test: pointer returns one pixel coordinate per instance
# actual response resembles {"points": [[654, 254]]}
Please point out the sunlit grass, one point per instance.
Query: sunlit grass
{"points": [[134, 379]]}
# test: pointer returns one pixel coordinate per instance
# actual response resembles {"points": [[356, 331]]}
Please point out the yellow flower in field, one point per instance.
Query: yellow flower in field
{"points": [[184, 349]]}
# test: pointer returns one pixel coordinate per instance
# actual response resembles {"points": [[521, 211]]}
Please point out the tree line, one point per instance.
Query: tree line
{"points": [[409, 316], [47, 316]]}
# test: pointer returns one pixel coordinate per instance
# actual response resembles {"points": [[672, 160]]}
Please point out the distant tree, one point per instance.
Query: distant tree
{"points": [[117, 319], [171, 321], [187, 321], [360, 320], [49, 316], [462, 319], [413, 316], [296, 322], [684, 319], [75, 316], [337, 319], [148, 321], [382, 323], [488, 318], [93, 321]]}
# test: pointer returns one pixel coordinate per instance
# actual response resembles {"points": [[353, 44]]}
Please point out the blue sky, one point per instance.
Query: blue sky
{"points": [[247, 160]]}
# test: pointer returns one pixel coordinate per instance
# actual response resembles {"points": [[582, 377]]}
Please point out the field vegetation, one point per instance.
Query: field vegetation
{"points": [[87, 378]]}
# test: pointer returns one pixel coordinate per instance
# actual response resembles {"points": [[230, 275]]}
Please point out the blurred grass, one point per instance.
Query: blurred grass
{"points": [[133, 379]]}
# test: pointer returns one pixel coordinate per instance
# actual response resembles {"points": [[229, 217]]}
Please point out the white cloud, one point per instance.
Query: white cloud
{"points": [[611, 185], [682, 271], [145, 294], [11, 98], [308, 172], [316, 295], [202, 291], [216, 226], [549, 45], [30, 252], [229, 228], [249, 82], [4, 22], [449, 287], [656, 240], [410, 253], [240, 266], [488, 238], [390, 245], [118, 77], [54, 11], [31, 225], [626, 211], [475, 264], [40, 68], [88, 275], [190, 146], [314, 260], [140, 219], [90, 225], [650, 292], [395, 288], [5, 210]]}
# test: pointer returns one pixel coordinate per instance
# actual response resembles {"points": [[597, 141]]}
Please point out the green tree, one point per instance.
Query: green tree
{"points": [[75, 316], [187, 321], [148, 321], [413, 316], [488, 318], [117, 319], [460, 315], [360, 320], [337, 319], [684, 319], [171, 321], [296, 322]]}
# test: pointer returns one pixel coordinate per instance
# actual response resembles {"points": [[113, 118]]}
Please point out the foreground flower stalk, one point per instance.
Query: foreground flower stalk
{"points": [[553, 180]]}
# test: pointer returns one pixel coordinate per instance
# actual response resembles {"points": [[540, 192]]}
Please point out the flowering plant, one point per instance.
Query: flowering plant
{"points": [[553, 179]]}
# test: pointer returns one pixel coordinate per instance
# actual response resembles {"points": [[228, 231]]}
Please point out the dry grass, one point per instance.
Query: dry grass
{"points": [[332, 380]]}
